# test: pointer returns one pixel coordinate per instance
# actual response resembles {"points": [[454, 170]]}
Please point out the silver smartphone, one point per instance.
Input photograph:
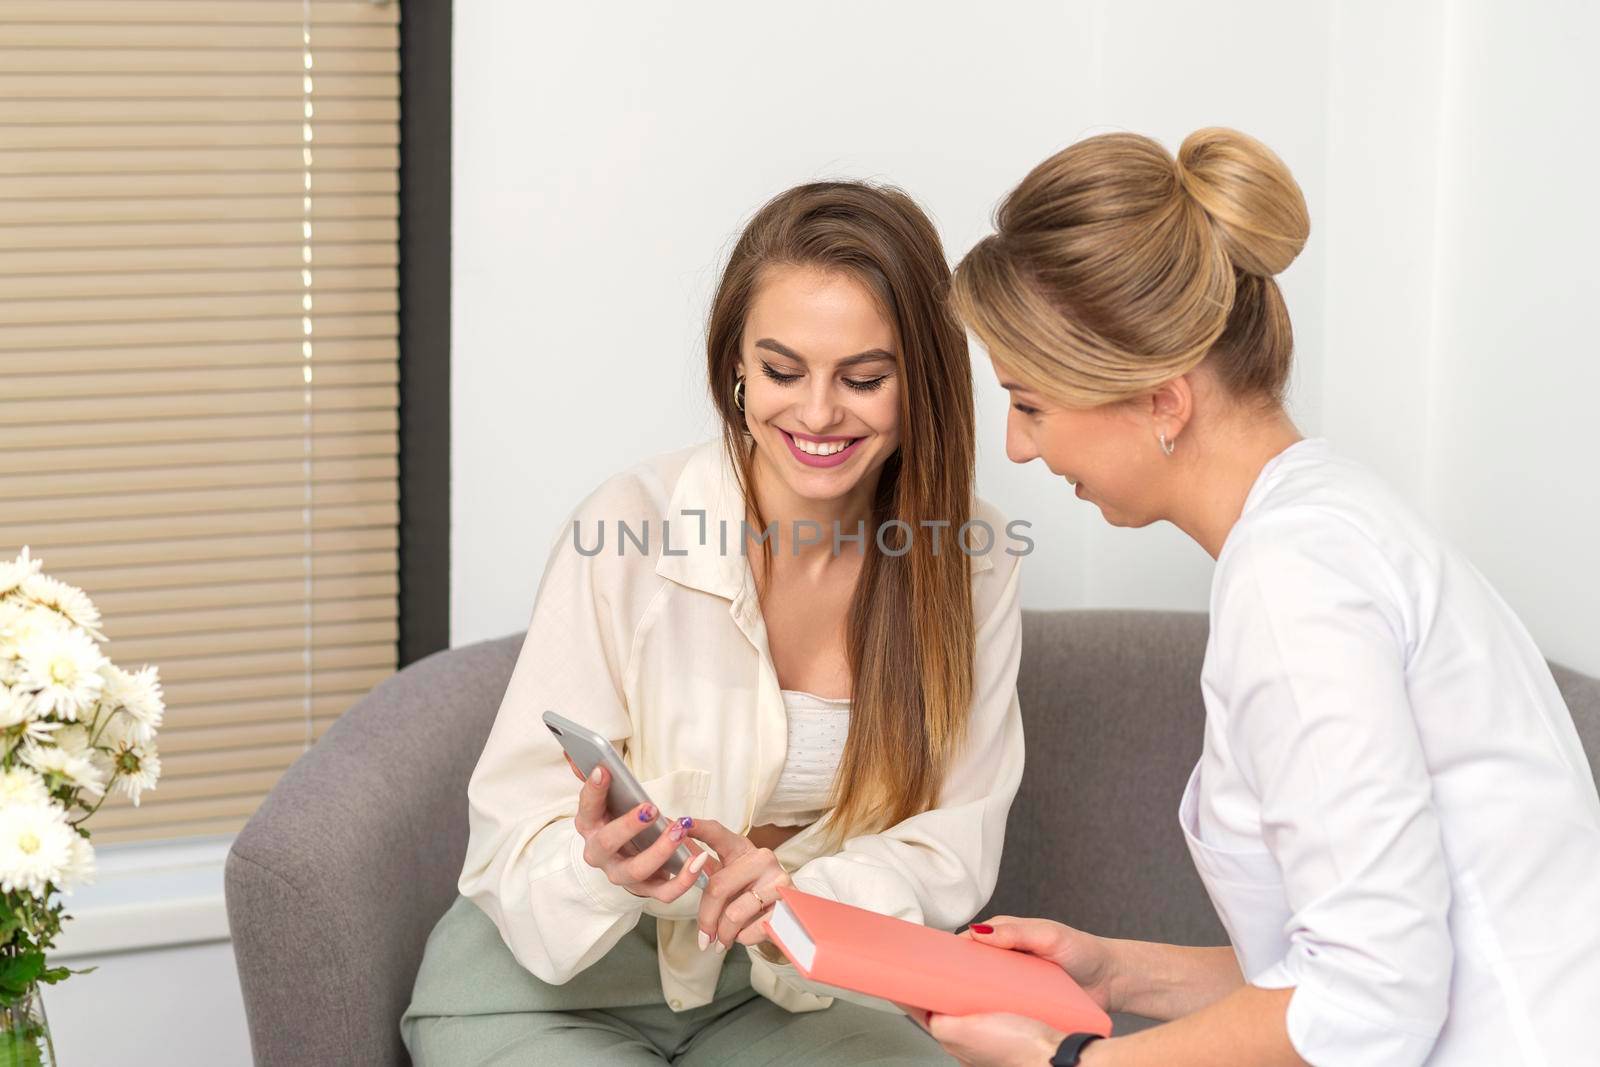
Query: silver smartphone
{"points": [[587, 749]]}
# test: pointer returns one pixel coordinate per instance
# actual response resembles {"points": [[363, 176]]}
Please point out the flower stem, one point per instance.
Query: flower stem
{"points": [[109, 783]]}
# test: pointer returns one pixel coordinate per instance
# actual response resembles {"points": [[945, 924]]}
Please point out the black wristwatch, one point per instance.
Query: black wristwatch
{"points": [[1070, 1048]]}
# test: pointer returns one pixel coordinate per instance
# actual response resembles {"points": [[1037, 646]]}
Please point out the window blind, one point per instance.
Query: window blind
{"points": [[198, 362]]}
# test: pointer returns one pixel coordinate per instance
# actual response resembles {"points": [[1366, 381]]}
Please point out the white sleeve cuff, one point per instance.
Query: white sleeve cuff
{"points": [[1330, 1033], [596, 886], [815, 886]]}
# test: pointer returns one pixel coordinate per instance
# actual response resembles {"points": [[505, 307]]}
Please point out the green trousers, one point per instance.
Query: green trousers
{"points": [[473, 1003]]}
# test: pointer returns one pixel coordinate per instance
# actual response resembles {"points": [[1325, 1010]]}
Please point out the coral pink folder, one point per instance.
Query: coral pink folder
{"points": [[881, 956]]}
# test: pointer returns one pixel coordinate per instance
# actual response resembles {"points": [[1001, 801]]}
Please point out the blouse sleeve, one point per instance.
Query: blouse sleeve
{"points": [[1310, 616], [524, 865]]}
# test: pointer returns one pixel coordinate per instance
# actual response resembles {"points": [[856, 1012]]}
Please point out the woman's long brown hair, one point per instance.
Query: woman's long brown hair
{"points": [[911, 633]]}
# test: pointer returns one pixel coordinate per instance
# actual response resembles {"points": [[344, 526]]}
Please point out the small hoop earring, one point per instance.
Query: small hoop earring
{"points": [[1166, 446], [738, 393]]}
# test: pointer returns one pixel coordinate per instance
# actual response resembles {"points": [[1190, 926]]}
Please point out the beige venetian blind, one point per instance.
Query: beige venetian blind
{"points": [[198, 372]]}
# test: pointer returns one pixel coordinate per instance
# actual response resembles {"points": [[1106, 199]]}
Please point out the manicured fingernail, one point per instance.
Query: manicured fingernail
{"points": [[686, 822], [594, 775], [721, 947], [705, 939], [982, 928], [676, 833], [647, 813], [695, 865]]}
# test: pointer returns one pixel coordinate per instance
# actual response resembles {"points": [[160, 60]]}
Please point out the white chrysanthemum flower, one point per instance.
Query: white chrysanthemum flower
{"points": [[78, 771], [16, 709], [11, 608], [24, 620], [12, 612], [67, 600], [73, 739], [80, 868], [119, 729], [19, 785], [62, 667], [138, 769], [13, 572], [139, 694], [36, 846]]}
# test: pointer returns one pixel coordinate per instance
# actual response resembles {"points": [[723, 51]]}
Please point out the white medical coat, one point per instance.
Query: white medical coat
{"points": [[1392, 811]]}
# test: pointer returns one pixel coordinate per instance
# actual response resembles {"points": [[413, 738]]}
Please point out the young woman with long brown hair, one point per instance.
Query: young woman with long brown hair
{"points": [[1392, 812], [808, 657]]}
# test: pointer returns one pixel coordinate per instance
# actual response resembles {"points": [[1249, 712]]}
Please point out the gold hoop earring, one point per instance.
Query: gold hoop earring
{"points": [[738, 392]]}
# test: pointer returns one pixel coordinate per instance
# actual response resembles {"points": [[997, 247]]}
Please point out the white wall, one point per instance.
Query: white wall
{"points": [[1515, 379], [1438, 307], [598, 186], [164, 989], [154, 1007], [1462, 226]]}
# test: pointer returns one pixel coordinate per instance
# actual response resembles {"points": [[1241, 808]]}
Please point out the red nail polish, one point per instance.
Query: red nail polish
{"points": [[982, 928]]}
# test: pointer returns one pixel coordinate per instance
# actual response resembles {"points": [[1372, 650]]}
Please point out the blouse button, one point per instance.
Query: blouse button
{"points": [[677, 1005]]}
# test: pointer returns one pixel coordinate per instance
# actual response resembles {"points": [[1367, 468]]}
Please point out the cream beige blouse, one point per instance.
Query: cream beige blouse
{"points": [[663, 650]]}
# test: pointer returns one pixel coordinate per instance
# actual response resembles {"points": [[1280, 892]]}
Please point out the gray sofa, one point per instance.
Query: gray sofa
{"points": [[335, 883]]}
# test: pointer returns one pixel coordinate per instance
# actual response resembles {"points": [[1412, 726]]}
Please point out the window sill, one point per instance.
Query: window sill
{"points": [[145, 896]]}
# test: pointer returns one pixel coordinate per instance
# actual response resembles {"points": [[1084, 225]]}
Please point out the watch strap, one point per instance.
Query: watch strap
{"points": [[1071, 1047]]}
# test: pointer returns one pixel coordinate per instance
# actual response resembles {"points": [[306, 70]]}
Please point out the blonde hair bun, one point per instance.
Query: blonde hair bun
{"points": [[1256, 208], [1114, 268]]}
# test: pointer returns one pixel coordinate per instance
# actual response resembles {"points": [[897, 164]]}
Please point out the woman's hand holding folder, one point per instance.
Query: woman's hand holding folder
{"points": [[992, 999], [1000, 1039], [995, 1039], [1087, 959]]}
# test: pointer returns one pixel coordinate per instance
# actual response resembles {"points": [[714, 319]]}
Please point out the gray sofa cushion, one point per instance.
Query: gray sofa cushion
{"points": [[1113, 719]]}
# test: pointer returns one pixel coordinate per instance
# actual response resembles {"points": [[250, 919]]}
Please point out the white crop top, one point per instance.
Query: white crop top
{"points": [[817, 730]]}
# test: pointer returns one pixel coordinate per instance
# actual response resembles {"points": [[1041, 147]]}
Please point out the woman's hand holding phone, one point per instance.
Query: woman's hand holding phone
{"points": [[741, 892], [604, 837]]}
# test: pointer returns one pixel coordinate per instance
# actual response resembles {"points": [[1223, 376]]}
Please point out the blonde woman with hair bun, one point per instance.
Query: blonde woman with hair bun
{"points": [[1392, 812]]}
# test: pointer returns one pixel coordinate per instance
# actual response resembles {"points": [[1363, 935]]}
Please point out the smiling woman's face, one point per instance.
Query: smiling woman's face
{"points": [[1106, 453], [821, 385]]}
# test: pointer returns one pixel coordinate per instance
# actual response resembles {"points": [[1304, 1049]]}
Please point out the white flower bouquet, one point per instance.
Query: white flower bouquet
{"points": [[73, 728]]}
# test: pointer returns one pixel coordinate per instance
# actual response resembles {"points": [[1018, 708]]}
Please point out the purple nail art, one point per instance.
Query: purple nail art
{"points": [[647, 813], [676, 833], [686, 822]]}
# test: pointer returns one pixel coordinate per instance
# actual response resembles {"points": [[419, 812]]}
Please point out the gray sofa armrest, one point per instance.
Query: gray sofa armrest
{"points": [[334, 884]]}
